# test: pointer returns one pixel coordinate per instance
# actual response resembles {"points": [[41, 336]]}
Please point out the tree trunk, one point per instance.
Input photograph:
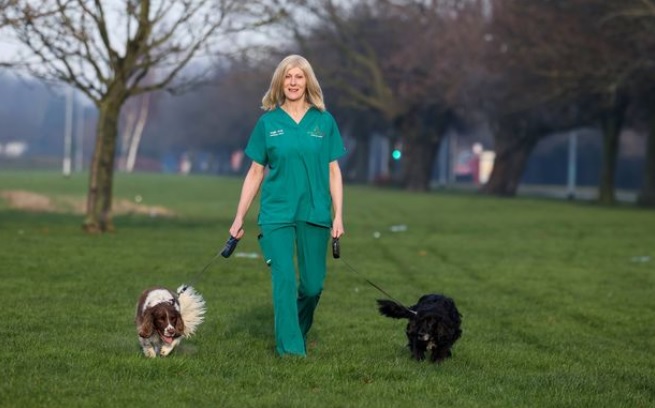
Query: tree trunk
{"points": [[358, 165], [417, 161], [646, 196], [99, 198], [513, 144], [421, 132], [611, 122]]}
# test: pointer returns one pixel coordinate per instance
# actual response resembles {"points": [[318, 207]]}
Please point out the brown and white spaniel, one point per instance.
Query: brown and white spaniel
{"points": [[164, 317]]}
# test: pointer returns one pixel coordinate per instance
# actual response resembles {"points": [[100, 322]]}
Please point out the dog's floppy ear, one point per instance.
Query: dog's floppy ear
{"points": [[147, 325], [179, 324]]}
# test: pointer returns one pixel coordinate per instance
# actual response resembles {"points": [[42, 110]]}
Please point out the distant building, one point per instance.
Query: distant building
{"points": [[13, 149]]}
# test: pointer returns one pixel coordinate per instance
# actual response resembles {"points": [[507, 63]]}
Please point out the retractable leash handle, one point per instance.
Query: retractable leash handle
{"points": [[230, 246], [336, 248]]}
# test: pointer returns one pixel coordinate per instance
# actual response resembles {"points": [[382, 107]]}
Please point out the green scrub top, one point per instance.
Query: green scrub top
{"points": [[298, 155]]}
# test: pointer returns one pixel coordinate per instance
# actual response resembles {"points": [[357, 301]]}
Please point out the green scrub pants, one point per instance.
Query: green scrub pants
{"points": [[294, 304]]}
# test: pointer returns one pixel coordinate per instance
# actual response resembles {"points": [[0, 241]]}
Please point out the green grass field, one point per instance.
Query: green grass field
{"points": [[557, 299]]}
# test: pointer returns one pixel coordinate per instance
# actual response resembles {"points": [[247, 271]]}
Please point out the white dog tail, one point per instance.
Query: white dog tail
{"points": [[192, 309]]}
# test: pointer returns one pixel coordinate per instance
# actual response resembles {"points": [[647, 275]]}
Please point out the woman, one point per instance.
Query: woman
{"points": [[299, 143]]}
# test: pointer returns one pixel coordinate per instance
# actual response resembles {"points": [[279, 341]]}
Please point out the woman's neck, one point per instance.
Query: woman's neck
{"points": [[299, 106], [295, 109]]}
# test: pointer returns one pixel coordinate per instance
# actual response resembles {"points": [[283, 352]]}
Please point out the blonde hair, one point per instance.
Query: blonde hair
{"points": [[275, 95]]}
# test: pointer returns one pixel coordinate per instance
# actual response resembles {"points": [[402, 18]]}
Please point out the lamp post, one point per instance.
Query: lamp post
{"points": [[79, 139], [68, 133], [572, 165]]}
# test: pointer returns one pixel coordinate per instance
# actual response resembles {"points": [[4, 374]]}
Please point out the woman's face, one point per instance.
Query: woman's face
{"points": [[295, 84]]}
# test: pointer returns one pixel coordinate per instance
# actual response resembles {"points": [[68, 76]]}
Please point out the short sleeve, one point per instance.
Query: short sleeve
{"points": [[256, 147], [337, 149]]}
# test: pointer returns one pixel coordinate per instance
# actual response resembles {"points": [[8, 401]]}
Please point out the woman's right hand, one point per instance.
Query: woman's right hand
{"points": [[236, 230]]}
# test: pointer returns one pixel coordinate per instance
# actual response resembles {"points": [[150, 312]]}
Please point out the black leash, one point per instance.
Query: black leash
{"points": [[227, 250], [336, 254], [231, 245]]}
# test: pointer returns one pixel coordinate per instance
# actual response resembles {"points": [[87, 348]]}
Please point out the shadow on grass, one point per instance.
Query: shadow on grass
{"points": [[256, 321]]}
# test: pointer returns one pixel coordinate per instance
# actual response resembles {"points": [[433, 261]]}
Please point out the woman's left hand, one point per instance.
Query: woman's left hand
{"points": [[337, 228]]}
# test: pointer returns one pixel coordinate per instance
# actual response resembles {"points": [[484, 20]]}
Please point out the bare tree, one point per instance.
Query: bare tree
{"points": [[552, 59], [646, 195], [106, 49], [205, 118], [641, 13], [5, 19], [400, 59], [618, 73], [528, 44]]}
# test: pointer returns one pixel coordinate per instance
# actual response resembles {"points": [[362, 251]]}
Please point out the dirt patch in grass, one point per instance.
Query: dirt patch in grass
{"points": [[35, 202]]}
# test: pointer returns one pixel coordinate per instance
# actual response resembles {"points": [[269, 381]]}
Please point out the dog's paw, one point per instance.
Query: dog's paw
{"points": [[149, 352], [419, 355], [439, 355], [167, 349]]}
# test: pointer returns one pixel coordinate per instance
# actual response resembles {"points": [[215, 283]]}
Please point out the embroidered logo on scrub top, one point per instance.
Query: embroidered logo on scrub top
{"points": [[316, 132], [274, 133]]}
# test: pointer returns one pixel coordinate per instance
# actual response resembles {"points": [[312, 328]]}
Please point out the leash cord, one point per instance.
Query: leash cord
{"points": [[230, 246], [198, 275], [233, 245], [377, 287]]}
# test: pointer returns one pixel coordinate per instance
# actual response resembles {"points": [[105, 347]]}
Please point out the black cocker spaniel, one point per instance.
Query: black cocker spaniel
{"points": [[434, 324]]}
